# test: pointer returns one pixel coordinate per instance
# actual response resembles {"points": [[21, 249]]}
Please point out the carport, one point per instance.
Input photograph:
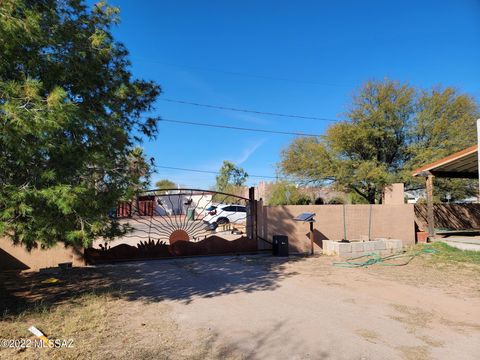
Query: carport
{"points": [[462, 164]]}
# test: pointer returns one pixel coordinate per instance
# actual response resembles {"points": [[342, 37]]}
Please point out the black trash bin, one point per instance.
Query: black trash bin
{"points": [[280, 245], [275, 245]]}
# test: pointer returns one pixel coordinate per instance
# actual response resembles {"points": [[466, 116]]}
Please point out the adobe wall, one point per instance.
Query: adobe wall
{"points": [[17, 257], [394, 194], [334, 221]]}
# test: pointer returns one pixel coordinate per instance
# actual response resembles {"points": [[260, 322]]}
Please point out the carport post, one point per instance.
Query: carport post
{"points": [[430, 216]]}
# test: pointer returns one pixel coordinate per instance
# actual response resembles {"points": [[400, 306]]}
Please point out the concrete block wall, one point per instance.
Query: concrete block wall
{"points": [[356, 249]]}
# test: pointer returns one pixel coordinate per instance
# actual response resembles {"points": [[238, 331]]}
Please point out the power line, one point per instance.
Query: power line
{"points": [[211, 172], [237, 128], [235, 73], [247, 110]]}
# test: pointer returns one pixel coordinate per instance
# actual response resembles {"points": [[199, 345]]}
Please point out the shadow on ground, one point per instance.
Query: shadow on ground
{"points": [[151, 281], [258, 345]]}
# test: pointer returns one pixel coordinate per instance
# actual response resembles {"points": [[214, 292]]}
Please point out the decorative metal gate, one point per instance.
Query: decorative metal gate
{"points": [[181, 222]]}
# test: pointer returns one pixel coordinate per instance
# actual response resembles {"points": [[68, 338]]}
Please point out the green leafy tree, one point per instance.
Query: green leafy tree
{"points": [[230, 176], [353, 198], [165, 184], [444, 123], [69, 107], [231, 179], [285, 193], [363, 154], [139, 170], [392, 130], [337, 200]]}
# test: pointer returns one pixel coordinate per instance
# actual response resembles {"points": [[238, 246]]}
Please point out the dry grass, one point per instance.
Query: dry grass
{"points": [[103, 326], [368, 335], [449, 255], [415, 353], [447, 269], [412, 317], [431, 341], [84, 320]]}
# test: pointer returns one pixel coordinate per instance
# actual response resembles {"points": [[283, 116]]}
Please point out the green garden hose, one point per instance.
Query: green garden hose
{"points": [[373, 258]]}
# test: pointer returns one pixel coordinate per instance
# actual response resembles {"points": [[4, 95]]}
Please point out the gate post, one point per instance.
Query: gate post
{"points": [[252, 230]]}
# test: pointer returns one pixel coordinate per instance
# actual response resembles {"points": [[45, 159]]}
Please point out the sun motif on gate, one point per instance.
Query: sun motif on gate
{"points": [[190, 215], [178, 235]]}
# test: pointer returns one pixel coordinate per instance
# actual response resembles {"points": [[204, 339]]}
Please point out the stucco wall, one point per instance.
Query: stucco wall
{"points": [[394, 194], [16, 257], [387, 221]]}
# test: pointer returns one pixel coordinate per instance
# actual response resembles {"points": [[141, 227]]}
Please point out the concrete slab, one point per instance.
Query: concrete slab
{"points": [[463, 246], [470, 243]]}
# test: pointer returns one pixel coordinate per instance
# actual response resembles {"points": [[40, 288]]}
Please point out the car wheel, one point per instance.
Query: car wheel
{"points": [[211, 226], [222, 221]]}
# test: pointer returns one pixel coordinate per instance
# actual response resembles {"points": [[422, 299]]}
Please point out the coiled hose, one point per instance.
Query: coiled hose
{"points": [[372, 259]]}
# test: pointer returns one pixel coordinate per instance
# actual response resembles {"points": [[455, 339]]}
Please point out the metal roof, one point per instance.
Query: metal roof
{"points": [[462, 164]]}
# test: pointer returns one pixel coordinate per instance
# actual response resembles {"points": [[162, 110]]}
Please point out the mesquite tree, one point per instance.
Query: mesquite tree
{"points": [[391, 129]]}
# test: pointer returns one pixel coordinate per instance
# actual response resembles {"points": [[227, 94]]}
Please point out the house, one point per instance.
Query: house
{"points": [[168, 203]]}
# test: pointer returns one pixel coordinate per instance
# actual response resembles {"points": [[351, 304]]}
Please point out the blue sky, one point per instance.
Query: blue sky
{"points": [[310, 56]]}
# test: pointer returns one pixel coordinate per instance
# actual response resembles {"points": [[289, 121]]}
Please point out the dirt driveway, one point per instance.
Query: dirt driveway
{"points": [[256, 307]]}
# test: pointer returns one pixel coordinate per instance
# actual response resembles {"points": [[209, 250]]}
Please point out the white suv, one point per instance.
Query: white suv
{"points": [[224, 214]]}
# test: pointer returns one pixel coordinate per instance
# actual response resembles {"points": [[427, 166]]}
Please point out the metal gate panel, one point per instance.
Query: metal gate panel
{"points": [[167, 223]]}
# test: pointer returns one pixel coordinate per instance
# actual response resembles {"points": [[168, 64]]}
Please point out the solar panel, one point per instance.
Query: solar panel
{"points": [[305, 217]]}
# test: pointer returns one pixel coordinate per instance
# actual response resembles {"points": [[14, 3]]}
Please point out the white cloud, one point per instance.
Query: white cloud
{"points": [[248, 152]]}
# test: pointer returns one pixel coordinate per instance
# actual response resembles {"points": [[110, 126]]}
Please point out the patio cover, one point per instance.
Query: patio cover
{"points": [[462, 164]]}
